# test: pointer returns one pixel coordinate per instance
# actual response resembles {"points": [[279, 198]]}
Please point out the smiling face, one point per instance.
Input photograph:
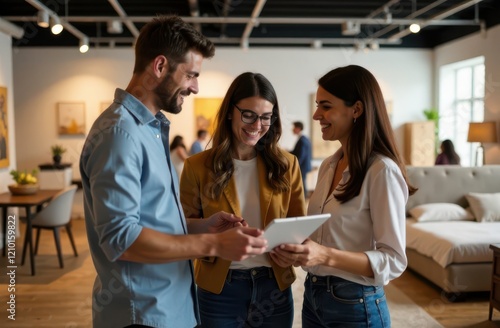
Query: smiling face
{"points": [[335, 117], [246, 135], [178, 84]]}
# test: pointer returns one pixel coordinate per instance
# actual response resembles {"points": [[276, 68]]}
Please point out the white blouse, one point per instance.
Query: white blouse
{"points": [[372, 222]]}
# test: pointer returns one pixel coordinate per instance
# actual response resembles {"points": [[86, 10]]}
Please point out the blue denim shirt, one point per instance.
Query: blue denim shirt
{"points": [[129, 183]]}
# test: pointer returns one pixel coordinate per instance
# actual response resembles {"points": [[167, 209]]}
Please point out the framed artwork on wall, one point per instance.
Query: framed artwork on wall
{"points": [[71, 118], [4, 129], [205, 110], [321, 149]]}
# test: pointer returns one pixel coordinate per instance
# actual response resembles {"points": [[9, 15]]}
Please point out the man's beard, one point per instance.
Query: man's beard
{"points": [[165, 99]]}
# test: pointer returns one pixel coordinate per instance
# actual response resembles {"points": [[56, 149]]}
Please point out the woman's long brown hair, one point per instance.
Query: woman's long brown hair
{"points": [[372, 133], [220, 162]]}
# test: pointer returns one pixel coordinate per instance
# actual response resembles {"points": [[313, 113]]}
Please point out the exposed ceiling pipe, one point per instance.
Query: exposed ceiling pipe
{"points": [[296, 41], [382, 8], [119, 10], [225, 13], [440, 16], [195, 12], [251, 23], [262, 20], [417, 13], [70, 28], [11, 29]]}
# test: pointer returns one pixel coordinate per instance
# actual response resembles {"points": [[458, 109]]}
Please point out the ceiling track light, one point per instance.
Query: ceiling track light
{"points": [[84, 45], [415, 28], [115, 27], [43, 18], [55, 25]]}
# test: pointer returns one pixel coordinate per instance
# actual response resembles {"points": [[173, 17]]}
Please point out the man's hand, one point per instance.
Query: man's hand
{"points": [[222, 221], [240, 243]]}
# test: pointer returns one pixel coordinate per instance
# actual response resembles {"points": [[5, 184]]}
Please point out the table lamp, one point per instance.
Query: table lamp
{"points": [[482, 132]]}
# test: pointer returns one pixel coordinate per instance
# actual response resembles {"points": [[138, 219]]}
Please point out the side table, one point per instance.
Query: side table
{"points": [[55, 176], [495, 280]]}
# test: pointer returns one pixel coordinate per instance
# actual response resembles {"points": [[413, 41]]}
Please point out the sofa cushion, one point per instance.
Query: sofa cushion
{"points": [[485, 207], [440, 212]]}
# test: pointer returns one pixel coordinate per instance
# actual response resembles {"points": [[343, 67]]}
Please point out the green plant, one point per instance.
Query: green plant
{"points": [[432, 114], [57, 150], [24, 178]]}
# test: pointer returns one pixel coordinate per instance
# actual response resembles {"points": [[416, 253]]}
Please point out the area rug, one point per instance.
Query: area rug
{"points": [[404, 312]]}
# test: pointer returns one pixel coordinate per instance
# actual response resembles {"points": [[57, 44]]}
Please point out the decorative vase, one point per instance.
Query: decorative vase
{"points": [[57, 159], [25, 189]]}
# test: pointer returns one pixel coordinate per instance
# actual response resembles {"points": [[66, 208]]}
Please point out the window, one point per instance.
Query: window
{"points": [[461, 100]]}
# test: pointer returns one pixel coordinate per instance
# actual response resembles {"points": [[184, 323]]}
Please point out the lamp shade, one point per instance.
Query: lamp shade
{"points": [[482, 132]]}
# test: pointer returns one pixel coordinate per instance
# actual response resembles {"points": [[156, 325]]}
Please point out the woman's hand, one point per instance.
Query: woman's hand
{"points": [[306, 254]]}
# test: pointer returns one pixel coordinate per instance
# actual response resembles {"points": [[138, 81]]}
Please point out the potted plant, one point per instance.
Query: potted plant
{"points": [[432, 114], [26, 183], [57, 151]]}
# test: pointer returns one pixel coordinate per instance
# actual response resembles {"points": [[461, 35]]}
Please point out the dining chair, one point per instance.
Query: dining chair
{"points": [[56, 214]]}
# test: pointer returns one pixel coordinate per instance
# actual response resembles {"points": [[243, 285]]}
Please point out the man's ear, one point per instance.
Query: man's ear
{"points": [[160, 66]]}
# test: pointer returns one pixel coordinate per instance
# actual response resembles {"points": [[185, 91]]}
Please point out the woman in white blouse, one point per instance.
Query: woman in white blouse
{"points": [[364, 186]]}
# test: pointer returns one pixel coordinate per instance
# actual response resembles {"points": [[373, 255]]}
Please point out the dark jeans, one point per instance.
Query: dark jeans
{"points": [[335, 302], [250, 298]]}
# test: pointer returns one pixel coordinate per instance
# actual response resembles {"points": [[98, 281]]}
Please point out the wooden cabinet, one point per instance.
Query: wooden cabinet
{"points": [[495, 280], [420, 143]]}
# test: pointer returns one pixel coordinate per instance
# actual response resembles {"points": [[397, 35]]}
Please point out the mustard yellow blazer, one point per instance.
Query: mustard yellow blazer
{"points": [[210, 273]]}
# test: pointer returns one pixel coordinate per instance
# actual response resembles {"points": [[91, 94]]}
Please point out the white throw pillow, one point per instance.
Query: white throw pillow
{"points": [[485, 207], [440, 212]]}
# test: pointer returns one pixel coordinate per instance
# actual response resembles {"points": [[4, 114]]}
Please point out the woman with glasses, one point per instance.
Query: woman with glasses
{"points": [[245, 173]]}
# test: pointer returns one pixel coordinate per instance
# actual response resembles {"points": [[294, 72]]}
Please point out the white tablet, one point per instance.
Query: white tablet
{"points": [[292, 230]]}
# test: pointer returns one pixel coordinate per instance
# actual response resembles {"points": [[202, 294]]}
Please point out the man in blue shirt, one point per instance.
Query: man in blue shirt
{"points": [[197, 145], [140, 242], [303, 151]]}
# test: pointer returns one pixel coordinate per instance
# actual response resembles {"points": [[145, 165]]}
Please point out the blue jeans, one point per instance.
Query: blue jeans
{"points": [[250, 298], [335, 302]]}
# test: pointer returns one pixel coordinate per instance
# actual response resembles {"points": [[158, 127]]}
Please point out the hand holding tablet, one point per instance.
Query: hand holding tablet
{"points": [[292, 230]]}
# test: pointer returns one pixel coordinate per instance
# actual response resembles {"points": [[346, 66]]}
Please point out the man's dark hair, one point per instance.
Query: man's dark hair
{"points": [[201, 133], [299, 125], [171, 37]]}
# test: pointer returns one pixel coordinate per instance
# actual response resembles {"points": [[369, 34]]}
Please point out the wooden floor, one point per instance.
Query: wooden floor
{"points": [[57, 297]]}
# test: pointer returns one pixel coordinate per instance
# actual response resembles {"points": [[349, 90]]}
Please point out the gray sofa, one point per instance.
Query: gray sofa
{"points": [[449, 184]]}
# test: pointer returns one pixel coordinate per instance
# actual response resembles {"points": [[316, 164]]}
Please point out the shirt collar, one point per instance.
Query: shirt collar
{"points": [[137, 108]]}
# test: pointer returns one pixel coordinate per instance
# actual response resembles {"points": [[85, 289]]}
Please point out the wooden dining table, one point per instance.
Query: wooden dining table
{"points": [[27, 202]]}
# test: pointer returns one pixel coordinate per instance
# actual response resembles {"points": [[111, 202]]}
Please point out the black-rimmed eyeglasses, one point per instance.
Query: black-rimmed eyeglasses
{"points": [[249, 117]]}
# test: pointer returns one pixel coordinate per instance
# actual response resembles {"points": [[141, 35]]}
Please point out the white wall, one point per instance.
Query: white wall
{"points": [[487, 45], [45, 76], [6, 81]]}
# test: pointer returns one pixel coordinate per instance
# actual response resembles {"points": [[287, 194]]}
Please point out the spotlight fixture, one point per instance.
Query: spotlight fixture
{"points": [[415, 28], [55, 25], [360, 46], [114, 27], [317, 44], [84, 45], [350, 28], [374, 45], [43, 18]]}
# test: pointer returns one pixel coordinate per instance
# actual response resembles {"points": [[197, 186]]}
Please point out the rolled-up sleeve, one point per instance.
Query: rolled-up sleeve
{"points": [[114, 166]]}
